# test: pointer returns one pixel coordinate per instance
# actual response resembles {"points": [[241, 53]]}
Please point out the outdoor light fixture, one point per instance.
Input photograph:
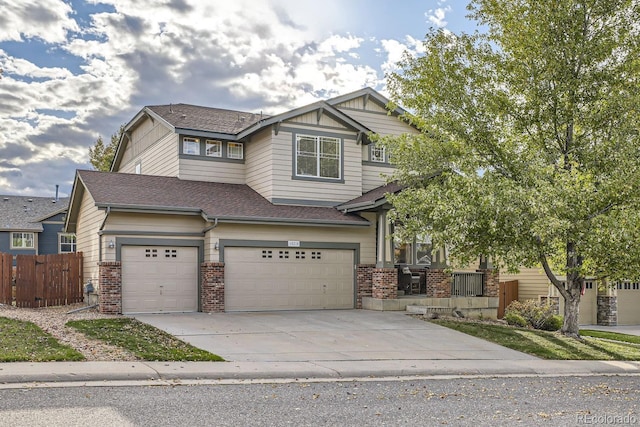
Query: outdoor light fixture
{"points": [[111, 244]]}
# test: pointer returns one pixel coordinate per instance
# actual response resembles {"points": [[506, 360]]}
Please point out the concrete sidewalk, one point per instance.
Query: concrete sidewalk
{"points": [[172, 372]]}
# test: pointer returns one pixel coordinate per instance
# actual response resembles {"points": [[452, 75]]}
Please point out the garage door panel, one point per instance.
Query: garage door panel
{"points": [[159, 279], [284, 279]]}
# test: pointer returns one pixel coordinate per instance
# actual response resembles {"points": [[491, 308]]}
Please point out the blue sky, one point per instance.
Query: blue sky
{"points": [[73, 70]]}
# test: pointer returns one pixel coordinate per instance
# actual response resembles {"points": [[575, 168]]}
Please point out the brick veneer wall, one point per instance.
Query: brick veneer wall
{"points": [[438, 283], [212, 289], [384, 283], [490, 282], [364, 282], [110, 287], [607, 310]]}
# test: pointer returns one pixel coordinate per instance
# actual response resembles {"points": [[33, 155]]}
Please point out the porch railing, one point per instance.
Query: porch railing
{"points": [[467, 284]]}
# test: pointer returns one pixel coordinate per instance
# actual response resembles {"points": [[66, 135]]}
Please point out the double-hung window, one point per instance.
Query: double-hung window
{"points": [[22, 240], [67, 243], [234, 150], [318, 156]]}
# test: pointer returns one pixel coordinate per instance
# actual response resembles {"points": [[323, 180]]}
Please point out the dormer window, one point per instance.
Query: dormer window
{"points": [[191, 146], [235, 150], [318, 156], [213, 148]]}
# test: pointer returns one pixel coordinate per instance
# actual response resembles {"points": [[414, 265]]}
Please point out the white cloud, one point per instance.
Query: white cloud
{"points": [[395, 50], [48, 20], [437, 16]]}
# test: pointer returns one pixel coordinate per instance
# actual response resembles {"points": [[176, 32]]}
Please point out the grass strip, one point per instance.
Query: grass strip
{"points": [[22, 341], [613, 336], [145, 341], [549, 345]]}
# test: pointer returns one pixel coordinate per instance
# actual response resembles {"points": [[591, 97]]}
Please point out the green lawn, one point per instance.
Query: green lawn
{"points": [[553, 345], [25, 342], [145, 341]]}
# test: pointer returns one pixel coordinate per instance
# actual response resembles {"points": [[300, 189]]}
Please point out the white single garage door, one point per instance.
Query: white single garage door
{"points": [[157, 279], [260, 279]]}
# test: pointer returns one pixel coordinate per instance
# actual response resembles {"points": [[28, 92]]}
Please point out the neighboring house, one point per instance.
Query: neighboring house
{"points": [[208, 209], [34, 225]]}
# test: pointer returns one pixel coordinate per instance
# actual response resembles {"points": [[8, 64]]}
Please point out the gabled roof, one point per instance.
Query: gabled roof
{"points": [[369, 94], [23, 213], [212, 200], [371, 199]]}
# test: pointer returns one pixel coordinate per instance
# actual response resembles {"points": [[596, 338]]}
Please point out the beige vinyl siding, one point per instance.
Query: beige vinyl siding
{"points": [[286, 187], [160, 158], [312, 119], [374, 176], [211, 170], [381, 124], [358, 104], [155, 145], [87, 240], [258, 162], [532, 283], [366, 236]]}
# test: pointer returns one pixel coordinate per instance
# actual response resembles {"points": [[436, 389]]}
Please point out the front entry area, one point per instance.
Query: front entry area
{"points": [[159, 279], [264, 279]]}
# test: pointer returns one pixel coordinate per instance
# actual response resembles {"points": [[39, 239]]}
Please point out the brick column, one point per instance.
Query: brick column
{"points": [[212, 289], [364, 280], [110, 287], [438, 283], [384, 283], [607, 301], [490, 282]]}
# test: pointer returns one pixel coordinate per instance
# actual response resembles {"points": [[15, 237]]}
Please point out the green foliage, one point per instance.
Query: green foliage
{"points": [[529, 150], [22, 341], [535, 314], [145, 341], [552, 323], [101, 155], [515, 319]]}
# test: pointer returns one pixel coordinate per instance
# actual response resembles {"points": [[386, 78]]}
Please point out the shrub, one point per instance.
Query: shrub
{"points": [[553, 323], [514, 319], [535, 314]]}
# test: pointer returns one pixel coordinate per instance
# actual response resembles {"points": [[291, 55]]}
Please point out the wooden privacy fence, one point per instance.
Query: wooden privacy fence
{"points": [[508, 292], [6, 278], [48, 280]]}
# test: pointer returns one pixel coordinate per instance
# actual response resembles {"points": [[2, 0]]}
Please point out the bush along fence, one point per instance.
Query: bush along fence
{"points": [[44, 280]]}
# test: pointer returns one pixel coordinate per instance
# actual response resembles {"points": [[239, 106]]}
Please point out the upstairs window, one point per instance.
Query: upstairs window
{"points": [[191, 146], [318, 156], [235, 150], [213, 148], [378, 154], [67, 243], [22, 241]]}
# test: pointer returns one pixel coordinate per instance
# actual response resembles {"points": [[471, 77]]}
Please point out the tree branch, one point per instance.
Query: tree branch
{"points": [[552, 277]]}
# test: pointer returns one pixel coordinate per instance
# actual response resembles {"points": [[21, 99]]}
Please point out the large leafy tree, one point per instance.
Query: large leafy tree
{"points": [[101, 155], [529, 149]]}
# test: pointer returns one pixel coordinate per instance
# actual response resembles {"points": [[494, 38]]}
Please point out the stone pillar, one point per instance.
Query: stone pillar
{"points": [[384, 283], [212, 289], [607, 301], [490, 282], [110, 287], [438, 283], [364, 281]]}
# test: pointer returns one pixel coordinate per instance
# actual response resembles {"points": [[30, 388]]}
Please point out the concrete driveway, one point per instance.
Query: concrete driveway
{"points": [[327, 335]]}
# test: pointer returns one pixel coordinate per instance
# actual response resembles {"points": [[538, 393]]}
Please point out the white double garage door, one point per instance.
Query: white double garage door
{"points": [[165, 279]]}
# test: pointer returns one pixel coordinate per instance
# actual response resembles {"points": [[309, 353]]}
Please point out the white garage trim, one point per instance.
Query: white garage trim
{"points": [[263, 277]]}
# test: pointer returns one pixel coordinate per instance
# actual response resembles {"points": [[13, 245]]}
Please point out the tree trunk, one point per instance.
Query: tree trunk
{"points": [[570, 326]]}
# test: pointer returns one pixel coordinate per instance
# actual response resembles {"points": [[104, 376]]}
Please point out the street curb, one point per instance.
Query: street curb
{"points": [[70, 372]]}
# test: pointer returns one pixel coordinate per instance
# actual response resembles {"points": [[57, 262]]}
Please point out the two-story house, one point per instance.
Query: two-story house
{"points": [[207, 209], [34, 225]]}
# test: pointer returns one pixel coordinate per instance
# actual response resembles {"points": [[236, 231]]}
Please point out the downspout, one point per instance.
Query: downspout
{"points": [[104, 222]]}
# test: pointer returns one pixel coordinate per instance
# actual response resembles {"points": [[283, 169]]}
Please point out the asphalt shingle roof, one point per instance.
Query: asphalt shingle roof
{"points": [[372, 196], [215, 200], [206, 118], [22, 212]]}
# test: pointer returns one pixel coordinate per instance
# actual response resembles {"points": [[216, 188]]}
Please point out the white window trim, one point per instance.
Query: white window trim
{"points": [[73, 245], [230, 154], [23, 233], [318, 156], [185, 141], [213, 143], [138, 169]]}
